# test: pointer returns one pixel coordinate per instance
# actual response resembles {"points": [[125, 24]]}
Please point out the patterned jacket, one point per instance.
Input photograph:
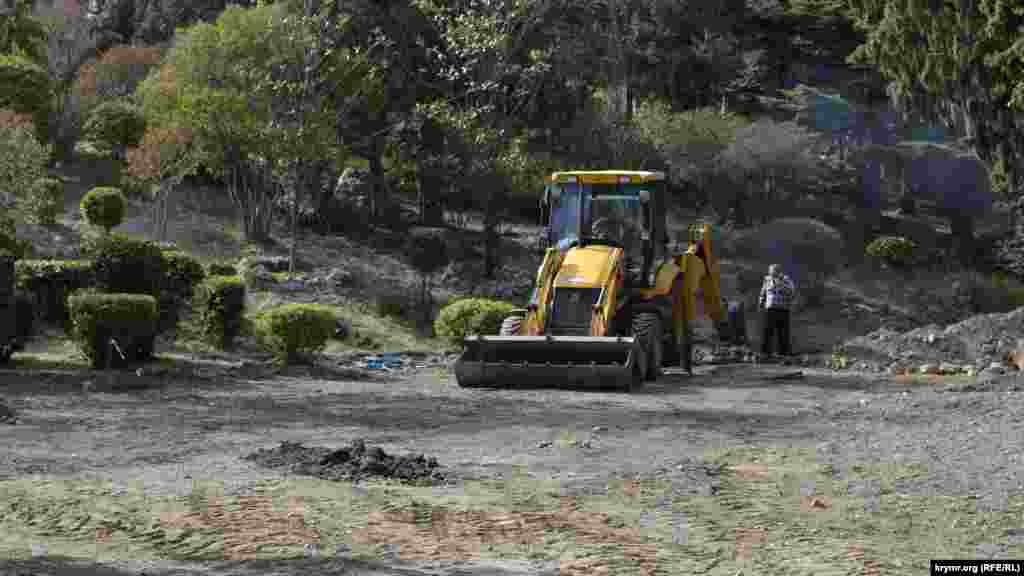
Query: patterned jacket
{"points": [[776, 293]]}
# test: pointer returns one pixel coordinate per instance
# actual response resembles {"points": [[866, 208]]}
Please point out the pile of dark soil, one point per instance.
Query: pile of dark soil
{"points": [[353, 463]]}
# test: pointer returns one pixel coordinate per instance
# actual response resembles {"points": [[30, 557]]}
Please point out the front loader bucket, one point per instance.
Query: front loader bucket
{"points": [[550, 362]]}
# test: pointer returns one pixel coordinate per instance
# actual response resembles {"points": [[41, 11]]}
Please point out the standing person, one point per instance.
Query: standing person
{"points": [[777, 294]]}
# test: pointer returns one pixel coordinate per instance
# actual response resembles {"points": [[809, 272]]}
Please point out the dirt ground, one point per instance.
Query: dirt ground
{"points": [[746, 467]]}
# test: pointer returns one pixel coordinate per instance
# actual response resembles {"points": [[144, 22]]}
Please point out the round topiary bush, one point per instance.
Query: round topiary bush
{"points": [[471, 316], [129, 319], [104, 207], [45, 201], [896, 251], [116, 125], [294, 331]]}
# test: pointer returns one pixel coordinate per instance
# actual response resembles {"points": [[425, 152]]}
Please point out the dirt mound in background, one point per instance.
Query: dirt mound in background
{"points": [[979, 340], [354, 462]]}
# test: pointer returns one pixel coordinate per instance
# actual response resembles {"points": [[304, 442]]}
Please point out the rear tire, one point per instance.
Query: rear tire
{"points": [[648, 329], [6, 351], [511, 326]]}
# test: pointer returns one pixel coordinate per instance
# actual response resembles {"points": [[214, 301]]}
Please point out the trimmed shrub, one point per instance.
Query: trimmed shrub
{"points": [[182, 273], [24, 318], [26, 88], [9, 244], [221, 269], [104, 207], [127, 265], [49, 282], [116, 125], [392, 304], [45, 201], [221, 309], [471, 316], [896, 251], [294, 331], [129, 319]]}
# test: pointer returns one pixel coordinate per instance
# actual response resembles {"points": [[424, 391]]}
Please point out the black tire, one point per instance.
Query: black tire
{"points": [[511, 326], [6, 351], [648, 329]]}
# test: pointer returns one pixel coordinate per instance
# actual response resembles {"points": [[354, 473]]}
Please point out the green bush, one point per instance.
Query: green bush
{"points": [[9, 243], [104, 207], [130, 319], [894, 250], [221, 309], [182, 273], [221, 269], [26, 88], [125, 264], [1011, 294], [45, 201], [49, 282], [293, 331], [471, 316], [116, 125], [24, 317]]}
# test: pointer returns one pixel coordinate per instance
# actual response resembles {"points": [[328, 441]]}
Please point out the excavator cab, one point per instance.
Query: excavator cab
{"points": [[611, 305], [617, 211]]}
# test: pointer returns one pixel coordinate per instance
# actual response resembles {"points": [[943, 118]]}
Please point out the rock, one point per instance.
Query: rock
{"points": [[597, 429], [544, 444], [928, 369], [970, 372]]}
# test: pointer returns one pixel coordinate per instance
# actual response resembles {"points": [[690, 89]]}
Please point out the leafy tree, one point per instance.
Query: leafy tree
{"points": [[157, 166], [69, 45], [25, 88], [23, 34], [226, 107], [958, 62], [115, 73], [23, 157], [116, 125]]}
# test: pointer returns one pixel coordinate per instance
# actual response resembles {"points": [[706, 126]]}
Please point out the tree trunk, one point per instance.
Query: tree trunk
{"points": [[300, 172], [378, 194], [490, 235], [962, 228]]}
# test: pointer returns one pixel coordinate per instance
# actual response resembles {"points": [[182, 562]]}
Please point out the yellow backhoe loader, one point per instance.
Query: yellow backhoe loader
{"points": [[611, 305]]}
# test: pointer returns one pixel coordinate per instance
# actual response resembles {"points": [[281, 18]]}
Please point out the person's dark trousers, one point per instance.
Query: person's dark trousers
{"points": [[775, 325]]}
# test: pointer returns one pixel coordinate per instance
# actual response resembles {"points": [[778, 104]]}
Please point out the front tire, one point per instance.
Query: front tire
{"points": [[648, 329]]}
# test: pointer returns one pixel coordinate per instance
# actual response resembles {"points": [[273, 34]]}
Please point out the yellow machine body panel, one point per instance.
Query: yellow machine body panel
{"points": [[589, 267]]}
